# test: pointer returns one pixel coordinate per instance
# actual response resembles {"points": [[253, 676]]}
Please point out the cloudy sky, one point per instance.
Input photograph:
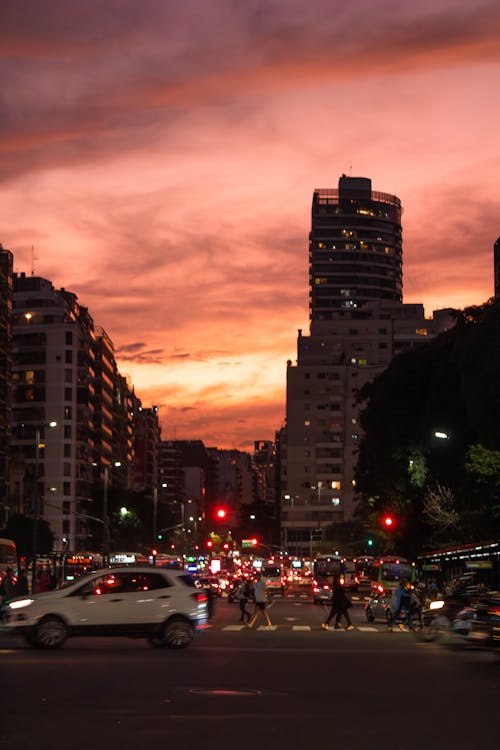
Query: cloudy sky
{"points": [[158, 158]]}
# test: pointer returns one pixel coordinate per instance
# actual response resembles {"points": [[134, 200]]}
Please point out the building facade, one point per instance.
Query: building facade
{"points": [[358, 324], [6, 262]]}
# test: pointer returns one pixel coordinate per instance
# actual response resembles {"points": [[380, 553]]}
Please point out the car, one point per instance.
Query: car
{"points": [[321, 591], [378, 607], [479, 623], [209, 582], [160, 604]]}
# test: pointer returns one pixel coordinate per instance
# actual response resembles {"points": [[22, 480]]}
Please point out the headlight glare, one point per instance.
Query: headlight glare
{"points": [[20, 603]]}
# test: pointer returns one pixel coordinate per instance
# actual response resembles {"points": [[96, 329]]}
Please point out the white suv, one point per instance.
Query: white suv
{"points": [[148, 602]]}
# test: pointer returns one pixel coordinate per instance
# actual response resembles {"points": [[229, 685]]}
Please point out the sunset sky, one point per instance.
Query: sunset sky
{"points": [[160, 157]]}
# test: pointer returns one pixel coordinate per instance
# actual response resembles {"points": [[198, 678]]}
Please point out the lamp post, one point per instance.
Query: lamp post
{"points": [[36, 498], [105, 519]]}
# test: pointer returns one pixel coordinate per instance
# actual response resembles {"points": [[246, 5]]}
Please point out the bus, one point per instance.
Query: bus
{"points": [[385, 574], [8, 557], [73, 565]]}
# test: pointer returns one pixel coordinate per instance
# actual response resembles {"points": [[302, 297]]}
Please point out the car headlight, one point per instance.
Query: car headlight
{"points": [[438, 604], [20, 603]]}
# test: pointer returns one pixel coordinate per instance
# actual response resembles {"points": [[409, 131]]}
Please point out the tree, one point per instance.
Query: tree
{"points": [[448, 384], [20, 529]]}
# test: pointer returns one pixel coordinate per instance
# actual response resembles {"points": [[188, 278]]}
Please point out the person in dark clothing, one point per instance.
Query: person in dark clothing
{"points": [[22, 583], [243, 594], [8, 585], [340, 606]]}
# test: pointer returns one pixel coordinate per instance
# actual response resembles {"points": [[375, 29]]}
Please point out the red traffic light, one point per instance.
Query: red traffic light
{"points": [[388, 522], [221, 514], [210, 543], [154, 552]]}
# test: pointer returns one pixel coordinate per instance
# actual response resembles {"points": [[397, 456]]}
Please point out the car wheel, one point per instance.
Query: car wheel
{"points": [[51, 633], [177, 633], [369, 615]]}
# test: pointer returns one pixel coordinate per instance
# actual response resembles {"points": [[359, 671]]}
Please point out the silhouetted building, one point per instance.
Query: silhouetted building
{"points": [[6, 261], [496, 262], [358, 324]]}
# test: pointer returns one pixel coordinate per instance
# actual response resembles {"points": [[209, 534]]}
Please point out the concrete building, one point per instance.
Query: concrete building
{"points": [[496, 265], [53, 378], [6, 261], [358, 324]]}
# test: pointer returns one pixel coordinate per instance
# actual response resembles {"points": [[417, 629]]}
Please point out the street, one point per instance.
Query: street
{"points": [[282, 688]]}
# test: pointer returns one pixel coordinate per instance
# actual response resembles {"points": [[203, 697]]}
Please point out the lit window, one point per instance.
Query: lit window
{"points": [[421, 331], [335, 485], [307, 423], [387, 250], [363, 362], [335, 500]]}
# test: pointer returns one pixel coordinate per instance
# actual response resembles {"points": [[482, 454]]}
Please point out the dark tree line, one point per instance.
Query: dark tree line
{"points": [[440, 489]]}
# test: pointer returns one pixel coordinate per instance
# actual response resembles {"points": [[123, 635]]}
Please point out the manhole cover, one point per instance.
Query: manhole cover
{"points": [[224, 692]]}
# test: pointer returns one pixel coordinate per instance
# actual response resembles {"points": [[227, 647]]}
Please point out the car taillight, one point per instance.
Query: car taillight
{"points": [[199, 596]]}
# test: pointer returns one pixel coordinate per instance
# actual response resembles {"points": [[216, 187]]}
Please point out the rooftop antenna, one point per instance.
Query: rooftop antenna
{"points": [[350, 168], [33, 258]]}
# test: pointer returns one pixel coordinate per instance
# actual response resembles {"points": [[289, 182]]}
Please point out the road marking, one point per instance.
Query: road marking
{"points": [[233, 627], [367, 629], [301, 627], [267, 627]]}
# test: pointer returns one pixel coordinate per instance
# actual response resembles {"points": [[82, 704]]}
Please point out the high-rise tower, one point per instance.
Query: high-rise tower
{"points": [[358, 324], [355, 248]]}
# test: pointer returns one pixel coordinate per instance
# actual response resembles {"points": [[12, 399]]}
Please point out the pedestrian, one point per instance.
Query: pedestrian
{"points": [[242, 595], [8, 585], [260, 596], [341, 603], [400, 607], [44, 582], [22, 583]]}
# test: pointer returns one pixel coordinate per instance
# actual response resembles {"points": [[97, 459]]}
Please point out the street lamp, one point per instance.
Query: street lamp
{"points": [[105, 528], [34, 550]]}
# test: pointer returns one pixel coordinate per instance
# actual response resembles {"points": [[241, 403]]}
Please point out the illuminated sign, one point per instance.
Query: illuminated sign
{"points": [[79, 560]]}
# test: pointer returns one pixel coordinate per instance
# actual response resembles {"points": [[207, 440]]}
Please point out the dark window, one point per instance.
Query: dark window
{"points": [[69, 338]]}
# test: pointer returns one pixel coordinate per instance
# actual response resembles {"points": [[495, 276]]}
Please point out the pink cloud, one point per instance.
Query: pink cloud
{"points": [[161, 159]]}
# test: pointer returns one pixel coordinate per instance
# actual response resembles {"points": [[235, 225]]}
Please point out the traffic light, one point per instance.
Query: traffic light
{"points": [[369, 542], [388, 522], [210, 544], [159, 535], [152, 556], [221, 513]]}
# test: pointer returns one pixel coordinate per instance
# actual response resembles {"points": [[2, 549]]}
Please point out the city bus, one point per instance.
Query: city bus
{"points": [[386, 573]]}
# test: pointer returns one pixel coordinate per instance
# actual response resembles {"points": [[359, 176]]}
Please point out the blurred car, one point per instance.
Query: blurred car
{"points": [[159, 604], [321, 591], [379, 607], [209, 582], [479, 622]]}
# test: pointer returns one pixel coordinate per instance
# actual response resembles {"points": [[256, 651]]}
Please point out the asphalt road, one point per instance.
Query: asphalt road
{"points": [[295, 686]]}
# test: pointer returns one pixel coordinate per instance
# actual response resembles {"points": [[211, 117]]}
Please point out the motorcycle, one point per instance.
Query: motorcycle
{"points": [[479, 623], [439, 615]]}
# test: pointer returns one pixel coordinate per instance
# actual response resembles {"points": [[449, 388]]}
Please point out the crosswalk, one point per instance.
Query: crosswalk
{"points": [[300, 628]]}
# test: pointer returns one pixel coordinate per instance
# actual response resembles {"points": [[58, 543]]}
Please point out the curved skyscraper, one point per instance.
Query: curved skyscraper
{"points": [[355, 248], [358, 323]]}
